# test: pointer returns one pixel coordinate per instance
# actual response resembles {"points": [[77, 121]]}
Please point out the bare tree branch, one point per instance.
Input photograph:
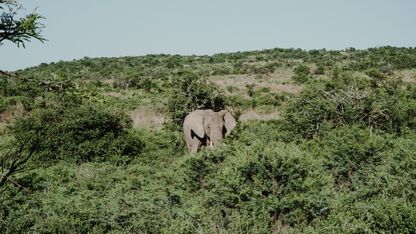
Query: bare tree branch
{"points": [[10, 74], [16, 165]]}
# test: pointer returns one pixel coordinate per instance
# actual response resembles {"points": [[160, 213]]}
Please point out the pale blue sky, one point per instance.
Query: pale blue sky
{"points": [[109, 28]]}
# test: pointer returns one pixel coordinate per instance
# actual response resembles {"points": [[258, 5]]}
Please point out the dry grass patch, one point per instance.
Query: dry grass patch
{"points": [[280, 88], [109, 81], [113, 94], [145, 117], [15, 111], [408, 75], [258, 115], [278, 82]]}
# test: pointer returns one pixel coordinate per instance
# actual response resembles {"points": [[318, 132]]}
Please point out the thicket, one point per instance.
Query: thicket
{"points": [[78, 134], [383, 103]]}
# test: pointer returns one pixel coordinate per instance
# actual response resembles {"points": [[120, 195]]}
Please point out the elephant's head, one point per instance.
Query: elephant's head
{"points": [[208, 126]]}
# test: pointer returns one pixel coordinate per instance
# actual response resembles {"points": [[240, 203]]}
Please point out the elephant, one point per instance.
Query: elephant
{"points": [[206, 128]]}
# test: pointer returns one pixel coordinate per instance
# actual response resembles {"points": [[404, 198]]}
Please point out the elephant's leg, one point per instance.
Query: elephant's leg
{"points": [[188, 144], [196, 143], [188, 138]]}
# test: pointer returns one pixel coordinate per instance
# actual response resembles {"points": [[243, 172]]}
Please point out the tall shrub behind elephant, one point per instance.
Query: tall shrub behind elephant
{"points": [[206, 128]]}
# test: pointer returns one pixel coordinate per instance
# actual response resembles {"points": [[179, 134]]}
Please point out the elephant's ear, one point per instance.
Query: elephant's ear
{"points": [[197, 125], [229, 122]]}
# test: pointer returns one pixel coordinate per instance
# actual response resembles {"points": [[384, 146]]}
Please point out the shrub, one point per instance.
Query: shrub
{"points": [[388, 106], [3, 104], [192, 92], [267, 182], [379, 215], [80, 134], [307, 113], [302, 73], [350, 153], [145, 83], [320, 70]]}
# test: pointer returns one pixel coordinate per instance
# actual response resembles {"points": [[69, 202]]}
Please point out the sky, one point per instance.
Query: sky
{"points": [[109, 28]]}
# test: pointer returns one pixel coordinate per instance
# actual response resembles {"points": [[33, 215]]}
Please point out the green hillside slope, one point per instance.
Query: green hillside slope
{"points": [[325, 143]]}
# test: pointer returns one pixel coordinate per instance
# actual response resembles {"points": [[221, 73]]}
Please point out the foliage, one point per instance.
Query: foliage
{"points": [[276, 180], [302, 73], [78, 134], [320, 70], [70, 202], [18, 30], [386, 105], [341, 159], [348, 161], [192, 92], [374, 195]]}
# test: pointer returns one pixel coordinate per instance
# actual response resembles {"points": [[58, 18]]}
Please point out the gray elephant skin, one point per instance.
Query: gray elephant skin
{"points": [[206, 128]]}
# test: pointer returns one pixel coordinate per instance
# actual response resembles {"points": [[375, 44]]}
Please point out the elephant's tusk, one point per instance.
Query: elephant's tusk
{"points": [[210, 143]]}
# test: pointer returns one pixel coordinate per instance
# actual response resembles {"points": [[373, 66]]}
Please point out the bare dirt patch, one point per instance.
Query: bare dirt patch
{"points": [[5, 116], [15, 111]]}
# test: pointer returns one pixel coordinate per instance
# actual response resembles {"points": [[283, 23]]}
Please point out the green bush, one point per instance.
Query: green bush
{"points": [[192, 92], [307, 113], [302, 73], [389, 106], [3, 104], [265, 97], [238, 100], [277, 181], [373, 174], [378, 215], [141, 196], [320, 70], [80, 134], [350, 153], [136, 82]]}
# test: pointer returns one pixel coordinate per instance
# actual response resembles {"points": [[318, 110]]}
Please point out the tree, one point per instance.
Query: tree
{"points": [[13, 162], [18, 30]]}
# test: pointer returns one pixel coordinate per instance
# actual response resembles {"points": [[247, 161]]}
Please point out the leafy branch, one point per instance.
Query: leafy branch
{"points": [[19, 30]]}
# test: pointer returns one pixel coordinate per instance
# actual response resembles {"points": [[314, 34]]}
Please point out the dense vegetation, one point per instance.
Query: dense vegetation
{"points": [[332, 147]]}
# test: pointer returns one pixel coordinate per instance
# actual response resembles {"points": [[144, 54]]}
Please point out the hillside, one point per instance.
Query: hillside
{"points": [[235, 73], [325, 142]]}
